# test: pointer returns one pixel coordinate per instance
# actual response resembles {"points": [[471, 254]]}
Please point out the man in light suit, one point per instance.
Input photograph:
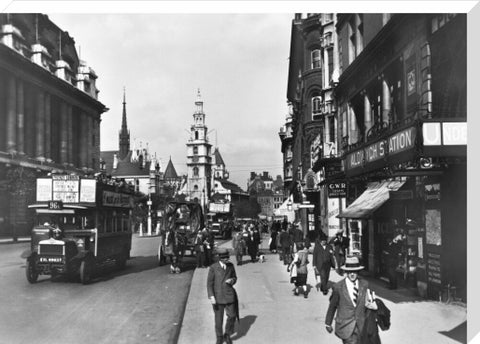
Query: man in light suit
{"points": [[349, 301], [220, 280]]}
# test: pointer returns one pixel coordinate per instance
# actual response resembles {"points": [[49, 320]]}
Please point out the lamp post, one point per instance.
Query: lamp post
{"points": [[149, 218]]}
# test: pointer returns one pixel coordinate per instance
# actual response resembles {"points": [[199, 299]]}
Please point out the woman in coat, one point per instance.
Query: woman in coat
{"points": [[300, 262]]}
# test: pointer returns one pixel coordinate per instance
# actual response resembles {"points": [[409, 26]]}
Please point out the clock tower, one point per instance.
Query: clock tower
{"points": [[199, 159]]}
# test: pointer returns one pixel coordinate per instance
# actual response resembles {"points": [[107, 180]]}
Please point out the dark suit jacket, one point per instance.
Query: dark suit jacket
{"points": [[224, 293], [348, 316], [323, 258]]}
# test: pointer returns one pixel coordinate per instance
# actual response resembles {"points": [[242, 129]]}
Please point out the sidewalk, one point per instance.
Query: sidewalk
{"points": [[269, 313]]}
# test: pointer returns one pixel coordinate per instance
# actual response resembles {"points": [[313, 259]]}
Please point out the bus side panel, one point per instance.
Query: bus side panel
{"points": [[111, 245]]}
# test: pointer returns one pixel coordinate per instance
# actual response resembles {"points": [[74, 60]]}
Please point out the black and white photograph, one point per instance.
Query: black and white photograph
{"points": [[237, 172]]}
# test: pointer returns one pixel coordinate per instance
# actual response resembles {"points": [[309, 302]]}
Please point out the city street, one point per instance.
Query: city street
{"points": [[142, 304]]}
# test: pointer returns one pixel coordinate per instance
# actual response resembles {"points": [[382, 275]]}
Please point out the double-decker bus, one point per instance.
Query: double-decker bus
{"points": [[80, 223]]}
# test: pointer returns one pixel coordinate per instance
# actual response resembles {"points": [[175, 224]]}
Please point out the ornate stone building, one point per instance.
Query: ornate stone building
{"points": [[49, 111]]}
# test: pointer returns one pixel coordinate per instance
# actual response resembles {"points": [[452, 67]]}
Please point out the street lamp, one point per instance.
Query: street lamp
{"points": [[149, 218]]}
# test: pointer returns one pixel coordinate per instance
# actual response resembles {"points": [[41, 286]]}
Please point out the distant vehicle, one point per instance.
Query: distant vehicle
{"points": [[80, 223], [220, 220], [184, 218]]}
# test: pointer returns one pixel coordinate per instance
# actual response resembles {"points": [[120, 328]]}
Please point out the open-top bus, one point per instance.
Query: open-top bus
{"points": [[80, 223]]}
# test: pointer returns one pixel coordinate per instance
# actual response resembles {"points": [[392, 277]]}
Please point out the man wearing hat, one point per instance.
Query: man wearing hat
{"points": [[220, 280], [350, 300], [340, 245]]}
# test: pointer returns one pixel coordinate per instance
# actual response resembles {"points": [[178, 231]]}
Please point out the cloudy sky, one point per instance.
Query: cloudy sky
{"points": [[238, 61]]}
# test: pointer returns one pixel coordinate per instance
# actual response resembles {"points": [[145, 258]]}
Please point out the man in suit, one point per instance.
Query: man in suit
{"points": [[220, 280], [349, 301], [323, 261]]}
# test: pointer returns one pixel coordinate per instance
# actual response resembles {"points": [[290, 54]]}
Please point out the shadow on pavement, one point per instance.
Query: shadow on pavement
{"points": [[458, 333], [244, 326]]}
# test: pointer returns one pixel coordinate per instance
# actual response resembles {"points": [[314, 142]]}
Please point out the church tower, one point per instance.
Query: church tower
{"points": [[124, 135], [199, 160]]}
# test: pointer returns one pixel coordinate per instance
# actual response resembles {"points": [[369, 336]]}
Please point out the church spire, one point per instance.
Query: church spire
{"points": [[124, 136]]}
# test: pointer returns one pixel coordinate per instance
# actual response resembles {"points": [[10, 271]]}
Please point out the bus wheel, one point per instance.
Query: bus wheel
{"points": [[31, 270], [86, 271]]}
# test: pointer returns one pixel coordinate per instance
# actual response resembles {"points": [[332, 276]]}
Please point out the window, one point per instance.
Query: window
{"points": [[316, 59], [195, 187], [330, 63], [195, 150], [316, 105], [196, 135], [195, 171]]}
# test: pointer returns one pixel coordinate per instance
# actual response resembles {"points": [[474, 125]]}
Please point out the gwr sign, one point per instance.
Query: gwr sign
{"points": [[337, 190]]}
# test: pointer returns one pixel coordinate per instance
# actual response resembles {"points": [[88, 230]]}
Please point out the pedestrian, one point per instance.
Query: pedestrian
{"points": [[220, 280], [323, 261], [238, 245], [297, 235], [171, 250], [349, 301], [340, 246], [208, 244], [300, 261], [199, 250], [285, 244], [273, 240], [256, 240], [393, 257]]}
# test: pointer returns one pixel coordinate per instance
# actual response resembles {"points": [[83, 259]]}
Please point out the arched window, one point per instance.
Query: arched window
{"points": [[195, 171], [195, 188], [316, 58], [316, 104], [196, 135], [195, 150]]}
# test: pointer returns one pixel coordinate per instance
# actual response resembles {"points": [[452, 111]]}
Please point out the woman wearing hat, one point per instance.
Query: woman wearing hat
{"points": [[350, 300]]}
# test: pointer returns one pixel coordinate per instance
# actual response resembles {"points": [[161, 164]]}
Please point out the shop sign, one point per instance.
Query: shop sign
{"points": [[115, 199], [399, 142], [376, 151], [337, 190], [444, 133], [434, 268], [333, 168]]}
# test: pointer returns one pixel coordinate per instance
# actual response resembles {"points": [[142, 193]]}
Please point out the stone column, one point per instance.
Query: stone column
{"points": [[48, 127], [326, 138], [20, 118], [63, 132], [83, 140], [367, 111], [90, 143], [70, 141], [353, 130], [40, 125], [386, 101], [11, 142]]}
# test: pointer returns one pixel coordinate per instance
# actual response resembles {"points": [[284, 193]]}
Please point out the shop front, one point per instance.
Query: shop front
{"points": [[409, 222]]}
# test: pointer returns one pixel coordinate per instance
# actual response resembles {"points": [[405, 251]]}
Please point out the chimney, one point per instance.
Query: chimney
{"points": [[265, 175], [40, 55], [252, 175], [115, 161], [63, 70]]}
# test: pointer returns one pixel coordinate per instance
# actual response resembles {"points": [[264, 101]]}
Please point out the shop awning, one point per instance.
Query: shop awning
{"points": [[371, 199]]}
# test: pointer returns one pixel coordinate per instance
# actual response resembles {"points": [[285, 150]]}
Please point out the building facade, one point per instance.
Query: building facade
{"points": [[135, 165], [49, 109], [398, 119]]}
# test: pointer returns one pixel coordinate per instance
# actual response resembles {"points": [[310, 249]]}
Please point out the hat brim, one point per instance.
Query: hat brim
{"points": [[358, 268]]}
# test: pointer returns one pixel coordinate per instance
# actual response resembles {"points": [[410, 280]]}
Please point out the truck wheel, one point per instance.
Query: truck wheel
{"points": [[31, 270], [86, 268]]}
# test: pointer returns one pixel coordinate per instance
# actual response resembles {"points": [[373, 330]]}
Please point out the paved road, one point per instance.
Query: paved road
{"points": [[142, 304]]}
